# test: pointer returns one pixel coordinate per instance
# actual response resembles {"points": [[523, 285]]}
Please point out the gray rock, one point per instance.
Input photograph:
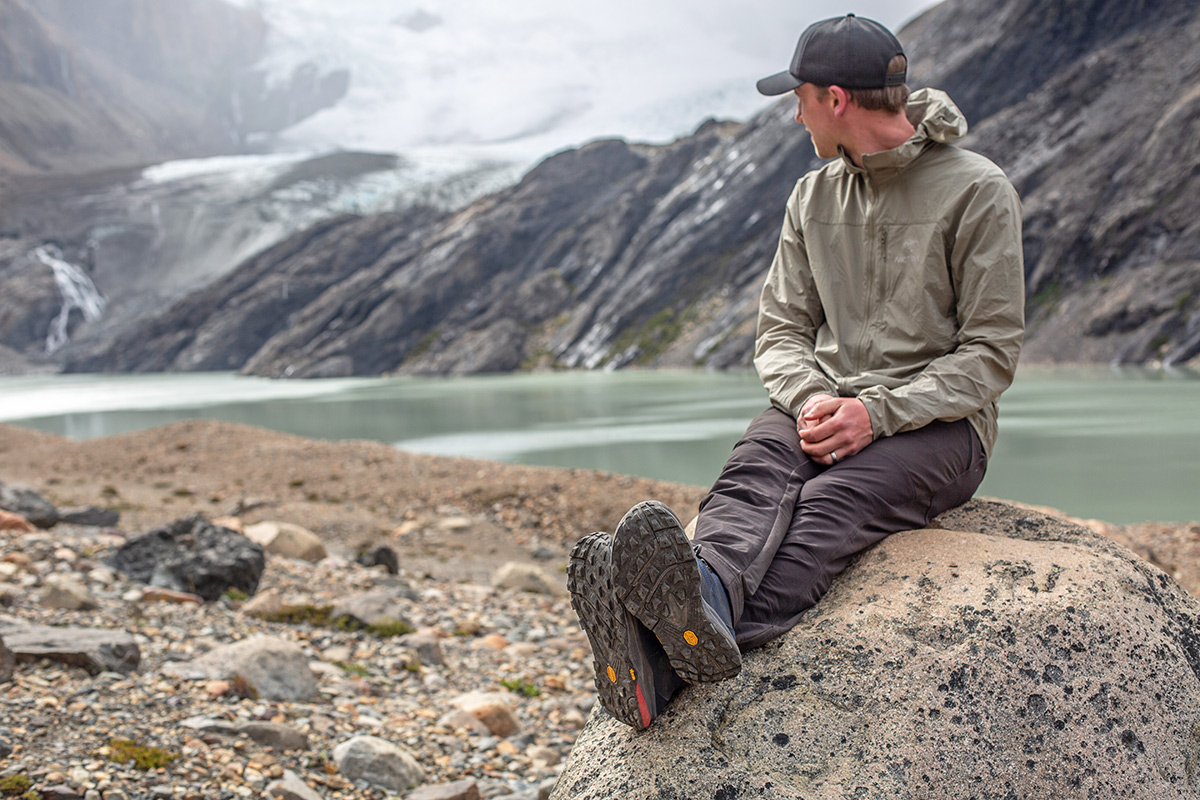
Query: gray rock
{"points": [[90, 516], [192, 555], [59, 791], [94, 649], [275, 735], [24, 500], [291, 787], [59, 591], [211, 725], [427, 646], [7, 661], [381, 556], [276, 668], [524, 578], [287, 540], [6, 748], [378, 762], [371, 608], [457, 790], [1026, 657]]}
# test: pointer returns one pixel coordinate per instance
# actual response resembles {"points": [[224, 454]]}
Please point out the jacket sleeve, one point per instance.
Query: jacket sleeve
{"points": [[789, 315], [986, 267]]}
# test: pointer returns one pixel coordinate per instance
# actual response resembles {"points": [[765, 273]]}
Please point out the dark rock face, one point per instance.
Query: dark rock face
{"points": [[192, 555], [25, 501], [1007, 654], [616, 255]]}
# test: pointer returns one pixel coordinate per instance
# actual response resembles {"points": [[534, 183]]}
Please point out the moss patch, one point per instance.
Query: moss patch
{"points": [[122, 751]]}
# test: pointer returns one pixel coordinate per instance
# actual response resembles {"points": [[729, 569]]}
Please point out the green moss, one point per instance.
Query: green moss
{"points": [[122, 751], [423, 346], [14, 785], [235, 595], [522, 686], [1048, 295], [384, 629], [653, 336], [353, 669], [1183, 301], [297, 615]]}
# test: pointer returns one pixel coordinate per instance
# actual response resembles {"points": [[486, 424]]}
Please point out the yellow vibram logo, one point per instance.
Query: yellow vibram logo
{"points": [[633, 675], [612, 674], [690, 638]]}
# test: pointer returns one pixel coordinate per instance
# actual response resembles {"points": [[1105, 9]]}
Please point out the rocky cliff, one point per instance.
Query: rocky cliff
{"points": [[616, 254]]}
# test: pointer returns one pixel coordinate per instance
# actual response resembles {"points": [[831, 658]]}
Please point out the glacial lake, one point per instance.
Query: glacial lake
{"points": [[1121, 445]]}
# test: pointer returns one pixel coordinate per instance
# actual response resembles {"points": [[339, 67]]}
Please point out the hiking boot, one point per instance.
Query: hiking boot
{"points": [[633, 675], [660, 581]]}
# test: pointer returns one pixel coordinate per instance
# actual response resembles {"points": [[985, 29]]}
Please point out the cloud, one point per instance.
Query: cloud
{"points": [[529, 76]]}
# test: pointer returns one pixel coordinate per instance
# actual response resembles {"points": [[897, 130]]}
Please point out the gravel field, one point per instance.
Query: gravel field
{"points": [[452, 522]]}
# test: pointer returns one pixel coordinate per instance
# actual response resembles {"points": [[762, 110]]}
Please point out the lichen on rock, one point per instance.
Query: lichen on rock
{"points": [[1005, 653]]}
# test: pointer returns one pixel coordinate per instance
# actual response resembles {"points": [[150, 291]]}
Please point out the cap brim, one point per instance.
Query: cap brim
{"points": [[780, 83]]}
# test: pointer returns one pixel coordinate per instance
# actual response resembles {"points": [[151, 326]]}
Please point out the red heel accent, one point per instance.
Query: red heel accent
{"points": [[642, 708]]}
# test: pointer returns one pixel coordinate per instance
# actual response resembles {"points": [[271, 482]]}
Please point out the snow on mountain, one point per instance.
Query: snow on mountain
{"points": [[519, 80]]}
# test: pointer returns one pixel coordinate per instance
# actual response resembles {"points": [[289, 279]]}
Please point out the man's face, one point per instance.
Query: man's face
{"points": [[814, 111]]}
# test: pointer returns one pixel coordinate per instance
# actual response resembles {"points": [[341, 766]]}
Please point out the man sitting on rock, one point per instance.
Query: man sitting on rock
{"points": [[890, 322]]}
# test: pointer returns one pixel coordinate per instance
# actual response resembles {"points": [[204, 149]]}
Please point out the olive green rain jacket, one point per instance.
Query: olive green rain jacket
{"points": [[900, 283]]}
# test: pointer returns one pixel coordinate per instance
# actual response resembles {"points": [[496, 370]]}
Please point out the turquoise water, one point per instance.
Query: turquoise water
{"points": [[1119, 445]]}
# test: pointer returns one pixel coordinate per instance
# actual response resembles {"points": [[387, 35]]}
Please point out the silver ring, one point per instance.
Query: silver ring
{"points": [[833, 455]]}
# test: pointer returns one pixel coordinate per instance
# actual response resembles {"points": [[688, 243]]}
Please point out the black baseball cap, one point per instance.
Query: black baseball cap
{"points": [[851, 52]]}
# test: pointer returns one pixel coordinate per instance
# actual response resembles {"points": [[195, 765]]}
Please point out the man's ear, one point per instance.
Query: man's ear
{"points": [[841, 100]]}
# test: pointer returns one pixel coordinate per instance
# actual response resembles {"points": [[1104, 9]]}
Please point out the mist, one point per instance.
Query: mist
{"points": [[518, 80]]}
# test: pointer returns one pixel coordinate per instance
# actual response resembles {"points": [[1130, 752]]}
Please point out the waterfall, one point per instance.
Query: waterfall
{"points": [[77, 290]]}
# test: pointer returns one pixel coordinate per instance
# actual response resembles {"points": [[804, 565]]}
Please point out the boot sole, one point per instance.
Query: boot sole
{"points": [[609, 628], [658, 581]]}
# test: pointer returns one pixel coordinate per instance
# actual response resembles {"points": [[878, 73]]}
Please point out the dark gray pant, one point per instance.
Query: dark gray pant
{"points": [[777, 527]]}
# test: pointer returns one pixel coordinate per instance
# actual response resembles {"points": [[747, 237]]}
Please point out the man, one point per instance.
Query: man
{"points": [[890, 322]]}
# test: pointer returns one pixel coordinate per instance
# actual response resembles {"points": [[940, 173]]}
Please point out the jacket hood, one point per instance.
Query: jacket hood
{"points": [[936, 119], [935, 116]]}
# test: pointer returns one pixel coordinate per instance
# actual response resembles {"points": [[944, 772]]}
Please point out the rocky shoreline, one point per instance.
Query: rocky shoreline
{"points": [[483, 698]]}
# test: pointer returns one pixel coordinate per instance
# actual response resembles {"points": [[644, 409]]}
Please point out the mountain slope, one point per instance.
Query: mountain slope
{"points": [[614, 255], [91, 84]]}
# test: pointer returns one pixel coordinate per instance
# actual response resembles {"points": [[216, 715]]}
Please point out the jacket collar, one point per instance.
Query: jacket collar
{"points": [[937, 121]]}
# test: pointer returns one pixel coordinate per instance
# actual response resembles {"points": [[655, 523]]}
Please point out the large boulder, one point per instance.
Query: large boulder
{"points": [[192, 555], [1006, 654]]}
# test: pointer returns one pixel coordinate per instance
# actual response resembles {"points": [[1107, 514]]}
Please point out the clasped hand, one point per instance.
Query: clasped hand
{"points": [[829, 425]]}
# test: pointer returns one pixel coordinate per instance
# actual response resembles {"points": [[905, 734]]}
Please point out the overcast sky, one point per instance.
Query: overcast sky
{"points": [[530, 76]]}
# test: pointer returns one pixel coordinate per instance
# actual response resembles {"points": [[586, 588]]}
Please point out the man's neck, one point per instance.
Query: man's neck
{"points": [[873, 132]]}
